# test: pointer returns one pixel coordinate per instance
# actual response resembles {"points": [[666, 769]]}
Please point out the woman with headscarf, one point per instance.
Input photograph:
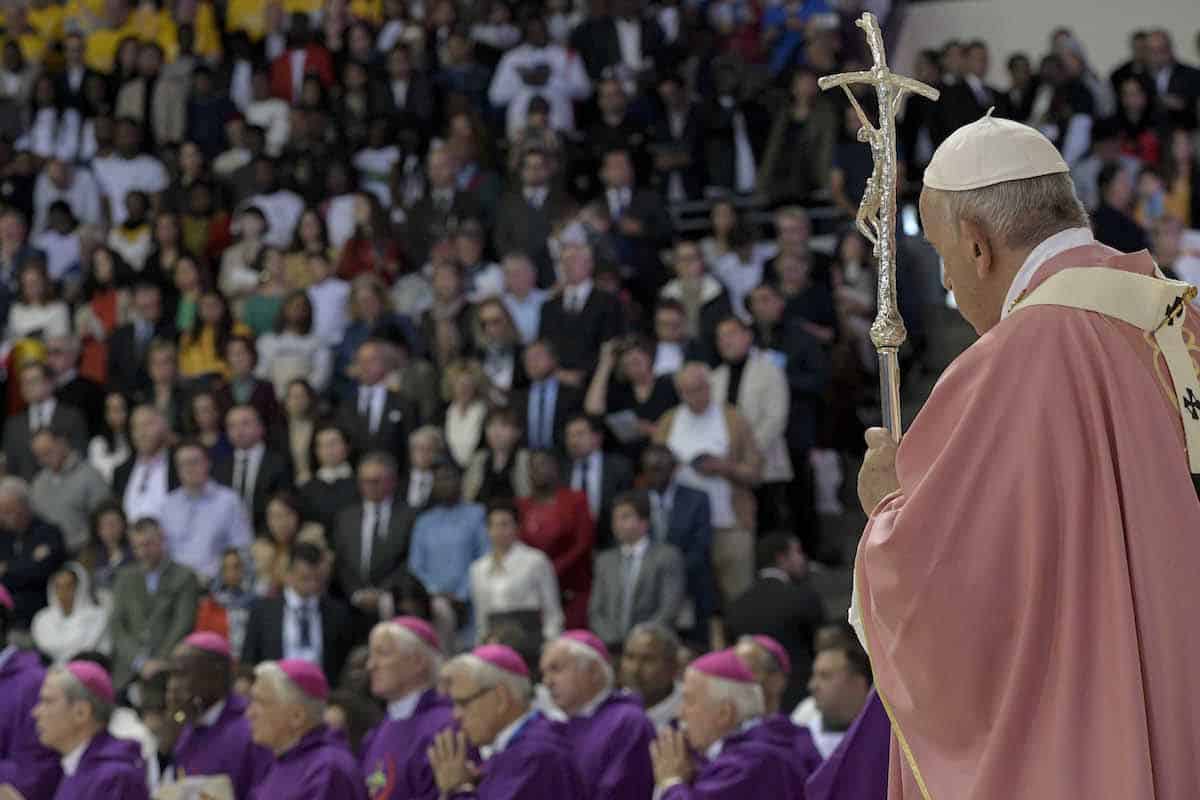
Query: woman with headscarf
{"points": [[72, 622]]}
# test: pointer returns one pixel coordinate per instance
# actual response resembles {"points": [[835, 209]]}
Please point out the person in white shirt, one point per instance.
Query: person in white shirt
{"points": [[72, 621], [147, 475], [128, 170], [75, 186], [539, 68], [514, 582], [521, 296], [202, 519], [294, 350], [269, 113], [281, 207], [425, 448], [330, 297]]}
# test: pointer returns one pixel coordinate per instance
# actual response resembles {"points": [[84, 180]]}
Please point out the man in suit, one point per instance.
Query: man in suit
{"points": [[255, 472], [733, 128], [1178, 85], [639, 581], [967, 100], [681, 516], [600, 41], [410, 95], [371, 538], [600, 475], [42, 410], [71, 82], [426, 449], [143, 482], [675, 142], [548, 403], [130, 343], [526, 216], [305, 623], [71, 388], [374, 416], [642, 225], [31, 550], [440, 208], [783, 605], [582, 317], [154, 607]]}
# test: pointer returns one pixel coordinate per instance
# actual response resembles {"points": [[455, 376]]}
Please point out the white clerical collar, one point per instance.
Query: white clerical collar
{"points": [[776, 573], [406, 706], [594, 704], [70, 762], [6, 654], [212, 715], [504, 737], [1048, 249], [637, 549], [716, 747]]}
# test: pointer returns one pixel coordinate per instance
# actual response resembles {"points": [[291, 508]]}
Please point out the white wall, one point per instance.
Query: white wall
{"points": [[1010, 25]]}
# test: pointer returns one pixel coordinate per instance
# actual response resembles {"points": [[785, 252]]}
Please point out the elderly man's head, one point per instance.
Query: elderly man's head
{"points": [[284, 707], [575, 673], [771, 674], [50, 449], [74, 704], [650, 662], [399, 661], [694, 384], [377, 476], [15, 511], [715, 707], [192, 464], [486, 698], [372, 362], [148, 430]]}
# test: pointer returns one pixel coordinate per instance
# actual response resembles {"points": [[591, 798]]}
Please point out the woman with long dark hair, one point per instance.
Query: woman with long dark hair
{"points": [[293, 350], [110, 447], [202, 348]]}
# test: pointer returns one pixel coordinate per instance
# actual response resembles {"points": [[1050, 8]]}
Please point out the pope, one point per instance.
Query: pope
{"points": [[403, 662], [1031, 549], [287, 706], [608, 730], [737, 757], [215, 738], [525, 756]]}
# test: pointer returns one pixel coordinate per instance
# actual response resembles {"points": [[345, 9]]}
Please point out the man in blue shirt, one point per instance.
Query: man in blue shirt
{"points": [[445, 540], [202, 518]]}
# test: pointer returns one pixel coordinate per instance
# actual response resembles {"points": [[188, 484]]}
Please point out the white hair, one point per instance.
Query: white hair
{"points": [[747, 698], [76, 692], [15, 487], [585, 656], [693, 368], [487, 675], [410, 642], [1019, 213], [271, 674], [430, 432]]}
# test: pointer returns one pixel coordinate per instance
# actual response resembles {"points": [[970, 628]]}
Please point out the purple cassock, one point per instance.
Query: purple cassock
{"points": [[858, 768], [394, 761], [33, 769], [110, 768], [318, 767], [751, 765], [224, 748], [780, 729], [612, 746], [536, 765]]}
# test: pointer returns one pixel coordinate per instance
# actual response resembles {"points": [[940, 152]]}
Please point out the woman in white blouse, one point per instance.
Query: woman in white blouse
{"points": [[463, 386], [37, 314], [110, 449], [514, 582], [293, 350]]}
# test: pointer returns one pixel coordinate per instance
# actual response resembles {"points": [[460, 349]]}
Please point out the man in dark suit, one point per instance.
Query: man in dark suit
{"points": [[526, 216], [641, 224], [598, 40], [440, 208], [304, 623], [371, 538], [154, 607], [253, 470], [31, 550], [410, 95], [548, 403], [967, 100], [42, 410], [732, 125], [1178, 85], [681, 516], [130, 343], [1138, 65], [783, 605], [71, 388], [639, 581], [675, 143], [143, 482], [581, 317], [71, 83], [373, 416], [602, 476]]}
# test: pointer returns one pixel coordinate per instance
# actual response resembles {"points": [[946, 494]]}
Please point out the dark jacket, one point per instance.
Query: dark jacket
{"points": [[31, 558], [264, 634]]}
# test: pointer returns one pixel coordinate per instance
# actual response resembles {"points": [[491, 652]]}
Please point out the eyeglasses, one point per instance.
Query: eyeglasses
{"points": [[463, 702]]}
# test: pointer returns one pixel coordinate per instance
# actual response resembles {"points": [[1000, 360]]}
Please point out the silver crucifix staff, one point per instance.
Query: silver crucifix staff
{"points": [[877, 215]]}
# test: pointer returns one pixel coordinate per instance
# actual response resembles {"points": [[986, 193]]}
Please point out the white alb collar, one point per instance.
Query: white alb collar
{"points": [[1048, 249], [212, 715], [505, 736], [406, 706], [716, 747], [70, 762], [594, 704]]}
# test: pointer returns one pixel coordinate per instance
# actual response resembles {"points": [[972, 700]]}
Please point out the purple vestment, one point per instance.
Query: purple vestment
{"points": [[536, 765], [750, 766], [110, 768], [30, 767], [224, 748], [612, 747], [394, 761], [780, 729], [858, 768], [318, 767]]}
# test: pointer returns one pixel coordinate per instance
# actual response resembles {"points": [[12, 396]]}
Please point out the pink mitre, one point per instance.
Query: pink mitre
{"points": [[421, 629], [723, 664], [210, 642], [588, 639], [777, 650], [502, 656], [6, 599], [308, 677], [94, 679]]}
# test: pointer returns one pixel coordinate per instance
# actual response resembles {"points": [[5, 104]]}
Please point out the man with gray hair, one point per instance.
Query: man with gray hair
{"points": [[72, 716], [607, 729], [1051, 473], [525, 756], [67, 489], [31, 550], [286, 713]]}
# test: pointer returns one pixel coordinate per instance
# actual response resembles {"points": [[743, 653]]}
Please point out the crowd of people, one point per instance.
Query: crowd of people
{"points": [[343, 338]]}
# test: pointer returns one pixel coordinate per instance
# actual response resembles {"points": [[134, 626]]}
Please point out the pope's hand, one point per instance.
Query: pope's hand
{"points": [[877, 478]]}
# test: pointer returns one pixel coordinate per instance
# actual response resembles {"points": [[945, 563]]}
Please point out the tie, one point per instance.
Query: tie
{"points": [[305, 625], [378, 533], [369, 541], [658, 517], [540, 433], [240, 474], [628, 577]]}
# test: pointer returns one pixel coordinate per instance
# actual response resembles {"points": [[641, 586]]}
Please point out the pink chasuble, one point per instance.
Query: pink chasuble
{"points": [[1030, 596]]}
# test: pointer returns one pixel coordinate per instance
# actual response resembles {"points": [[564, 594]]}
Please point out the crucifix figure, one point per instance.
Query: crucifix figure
{"points": [[876, 217]]}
